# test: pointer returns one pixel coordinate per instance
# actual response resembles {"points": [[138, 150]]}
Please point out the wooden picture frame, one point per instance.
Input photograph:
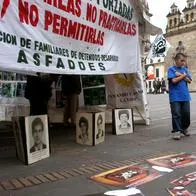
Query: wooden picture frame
{"points": [[37, 138], [122, 121]]}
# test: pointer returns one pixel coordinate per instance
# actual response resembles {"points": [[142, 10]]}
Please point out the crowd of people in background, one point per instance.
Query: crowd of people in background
{"points": [[39, 90], [159, 86]]}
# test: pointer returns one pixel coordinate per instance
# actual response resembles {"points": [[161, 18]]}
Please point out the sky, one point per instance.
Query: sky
{"points": [[160, 9]]}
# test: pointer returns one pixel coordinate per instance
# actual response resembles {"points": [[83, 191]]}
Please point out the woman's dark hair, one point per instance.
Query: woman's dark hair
{"points": [[83, 120], [100, 118], [37, 121], [123, 112]]}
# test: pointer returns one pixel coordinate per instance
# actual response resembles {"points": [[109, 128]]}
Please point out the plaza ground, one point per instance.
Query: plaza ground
{"points": [[67, 170]]}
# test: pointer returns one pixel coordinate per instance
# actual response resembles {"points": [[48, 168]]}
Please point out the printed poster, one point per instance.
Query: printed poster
{"points": [[185, 185], [37, 138], [174, 161], [123, 121], [127, 176], [69, 37]]}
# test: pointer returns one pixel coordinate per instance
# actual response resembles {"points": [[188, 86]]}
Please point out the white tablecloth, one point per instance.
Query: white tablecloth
{"points": [[18, 106]]}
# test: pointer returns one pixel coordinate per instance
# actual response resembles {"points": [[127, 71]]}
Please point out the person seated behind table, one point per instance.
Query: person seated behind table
{"points": [[38, 91], [37, 133], [83, 124], [163, 86], [71, 88], [124, 117], [100, 127]]}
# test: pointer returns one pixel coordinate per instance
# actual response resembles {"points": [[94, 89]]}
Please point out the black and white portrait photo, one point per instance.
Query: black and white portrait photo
{"points": [[37, 137], [84, 128], [37, 128], [99, 127], [123, 121]]}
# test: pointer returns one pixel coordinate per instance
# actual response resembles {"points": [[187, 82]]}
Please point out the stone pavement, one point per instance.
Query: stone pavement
{"points": [[68, 169]]}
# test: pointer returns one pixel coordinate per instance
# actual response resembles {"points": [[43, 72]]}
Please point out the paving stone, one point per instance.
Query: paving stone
{"points": [[78, 171], [7, 185], [129, 162], [50, 177], [17, 184], [42, 178], [85, 170], [92, 169], [97, 168], [57, 175], [115, 164], [122, 164], [64, 173], [25, 182], [34, 180], [103, 166], [108, 165], [71, 172]]}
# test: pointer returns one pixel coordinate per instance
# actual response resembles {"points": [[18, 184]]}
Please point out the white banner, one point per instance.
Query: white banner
{"points": [[68, 36], [159, 47], [124, 90]]}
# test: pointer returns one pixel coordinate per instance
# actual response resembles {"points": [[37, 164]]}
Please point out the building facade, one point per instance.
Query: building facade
{"points": [[181, 34], [154, 70]]}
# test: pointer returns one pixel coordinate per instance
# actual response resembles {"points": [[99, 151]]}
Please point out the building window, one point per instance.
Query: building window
{"points": [[192, 16], [175, 21], [187, 17], [170, 23], [157, 73]]}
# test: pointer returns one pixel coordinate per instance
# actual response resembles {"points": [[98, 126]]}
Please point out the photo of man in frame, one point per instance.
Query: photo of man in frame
{"points": [[37, 138], [84, 135], [124, 119], [100, 131], [37, 128]]}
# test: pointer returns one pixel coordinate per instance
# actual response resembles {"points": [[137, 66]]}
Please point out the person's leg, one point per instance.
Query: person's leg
{"points": [[35, 107], [185, 117], [38, 107], [73, 107], [43, 107], [176, 119], [66, 111]]}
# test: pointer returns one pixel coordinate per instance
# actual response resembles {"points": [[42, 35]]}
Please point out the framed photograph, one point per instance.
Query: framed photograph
{"points": [[123, 121], [99, 127], [94, 96], [20, 90], [1, 75], [84, 128], [19, 135], [90, 81], [4, 75], [37, 138], [0, 89], [20, 77], [9, 89]]}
